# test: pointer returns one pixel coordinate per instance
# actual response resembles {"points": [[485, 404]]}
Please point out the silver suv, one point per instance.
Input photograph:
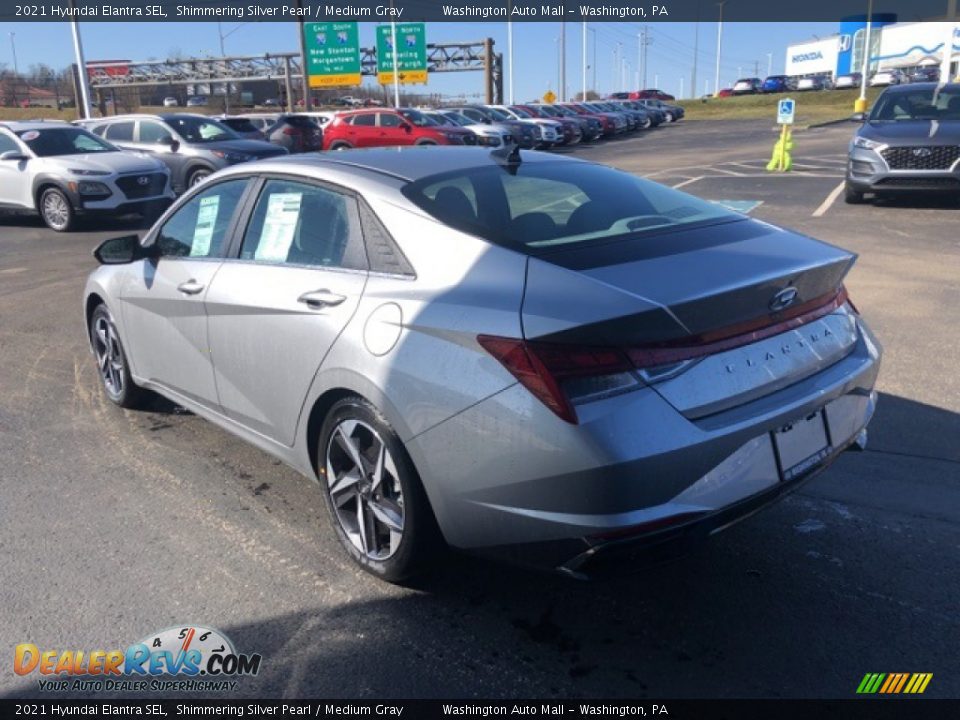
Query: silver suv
{"points": [[62, 171], [192, 146]]}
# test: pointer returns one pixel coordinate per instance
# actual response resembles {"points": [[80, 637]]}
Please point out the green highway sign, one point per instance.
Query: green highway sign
{"points": [[333, 53], [411, 53]]}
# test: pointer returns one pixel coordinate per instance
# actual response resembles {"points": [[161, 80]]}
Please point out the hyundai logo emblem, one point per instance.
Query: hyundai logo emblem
{"points": [[143, 180], [783, 299], [921, 152]]}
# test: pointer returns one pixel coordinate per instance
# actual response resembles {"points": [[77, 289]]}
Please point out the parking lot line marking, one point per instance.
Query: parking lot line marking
{"points": [[688, 181], [831, 198]]}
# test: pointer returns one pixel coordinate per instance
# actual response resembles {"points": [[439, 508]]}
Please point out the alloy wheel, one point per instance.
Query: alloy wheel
{"points": [[106, 348], [56, 212], [365, 490]]}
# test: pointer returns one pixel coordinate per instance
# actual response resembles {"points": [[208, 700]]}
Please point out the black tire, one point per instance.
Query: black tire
{"points": [[851, 196], [115, 380], [197, 176], [402, 495], [340, 145], [425, 142], [56, 210]]}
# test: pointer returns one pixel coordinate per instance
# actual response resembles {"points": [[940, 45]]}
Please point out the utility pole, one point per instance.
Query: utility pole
{"points": [[680, 96], [756, 68], [616, 65], [716, 80], [769, 64], [16, 70], [645, 40]]}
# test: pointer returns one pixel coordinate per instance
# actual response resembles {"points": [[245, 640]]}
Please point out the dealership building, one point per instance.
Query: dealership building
{"points": [[892, 45]]}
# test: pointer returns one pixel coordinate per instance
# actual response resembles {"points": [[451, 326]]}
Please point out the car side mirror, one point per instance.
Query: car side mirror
{"points": [[122, 250], [15, 155], [171, 142], [859, 117], [406, 128]]}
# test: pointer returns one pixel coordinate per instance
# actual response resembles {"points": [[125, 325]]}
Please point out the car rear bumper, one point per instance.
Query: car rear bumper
{"points": [[507, 472]]}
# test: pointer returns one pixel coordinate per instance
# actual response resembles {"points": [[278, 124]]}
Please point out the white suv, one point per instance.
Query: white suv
{"points": [[61, 171]]}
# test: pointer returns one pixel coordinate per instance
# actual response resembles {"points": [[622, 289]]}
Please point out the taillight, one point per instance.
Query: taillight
{"points": [[558, 374]]}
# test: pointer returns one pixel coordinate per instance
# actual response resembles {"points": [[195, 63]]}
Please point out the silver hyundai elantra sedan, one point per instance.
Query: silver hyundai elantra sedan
{"points": [[510, 352]]}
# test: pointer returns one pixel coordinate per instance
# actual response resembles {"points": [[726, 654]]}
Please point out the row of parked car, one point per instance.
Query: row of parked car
{"points": [[140, 163], [789, 83]]}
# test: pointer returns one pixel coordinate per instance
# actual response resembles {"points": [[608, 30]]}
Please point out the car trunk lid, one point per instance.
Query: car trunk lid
{"points": [[674, 297]]}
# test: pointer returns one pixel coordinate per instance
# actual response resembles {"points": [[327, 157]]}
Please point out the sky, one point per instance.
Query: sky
{"points": [[536, 49]]}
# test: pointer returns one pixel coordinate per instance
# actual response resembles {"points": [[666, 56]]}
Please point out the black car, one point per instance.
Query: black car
{"points": [[909, 141]]}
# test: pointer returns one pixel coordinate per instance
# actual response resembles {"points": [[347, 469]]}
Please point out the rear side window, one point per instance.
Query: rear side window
{"points": [[154, 132], [120, 131], [199, 228], [367, 119], [301, 224], [301, 121]]}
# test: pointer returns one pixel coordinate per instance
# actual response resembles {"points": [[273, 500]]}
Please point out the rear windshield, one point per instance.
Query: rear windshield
{"points": [[301, 121], [539, 206], [240, 124], [928, 104], [200, 130]]}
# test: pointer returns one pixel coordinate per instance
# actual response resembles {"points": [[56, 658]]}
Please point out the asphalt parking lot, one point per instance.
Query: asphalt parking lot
{"points": [[116, 523]]}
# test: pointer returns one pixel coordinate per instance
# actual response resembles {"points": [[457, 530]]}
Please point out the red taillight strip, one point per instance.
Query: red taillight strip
{"points": [[734, 336]]}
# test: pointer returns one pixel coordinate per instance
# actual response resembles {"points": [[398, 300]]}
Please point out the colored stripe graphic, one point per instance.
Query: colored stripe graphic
{"points": [[894, 683]]}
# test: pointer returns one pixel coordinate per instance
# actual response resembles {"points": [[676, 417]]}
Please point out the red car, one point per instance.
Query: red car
{"points": [[387, 127], [651, 94]]}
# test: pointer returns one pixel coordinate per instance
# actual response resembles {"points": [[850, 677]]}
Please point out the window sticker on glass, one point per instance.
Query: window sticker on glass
{"points": [[283, 210], [30, 135], [206, 223]]}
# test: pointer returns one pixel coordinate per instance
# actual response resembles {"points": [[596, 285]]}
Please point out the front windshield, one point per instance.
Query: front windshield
{"points": [[521, 113], [539, 206], [920, 104], [418, 118], [200, 130], [53, 141]]}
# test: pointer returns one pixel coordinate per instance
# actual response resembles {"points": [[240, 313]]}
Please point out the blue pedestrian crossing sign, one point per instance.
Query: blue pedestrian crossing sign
{"points": [[785, 110]]}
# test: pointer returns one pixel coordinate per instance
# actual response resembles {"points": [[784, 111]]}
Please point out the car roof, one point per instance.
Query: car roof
{"points": [[39, 124], [404, 163], [913, 87]]}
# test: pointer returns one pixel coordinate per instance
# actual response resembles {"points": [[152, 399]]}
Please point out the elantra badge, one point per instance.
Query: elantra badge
{"points": [[783, 299]]}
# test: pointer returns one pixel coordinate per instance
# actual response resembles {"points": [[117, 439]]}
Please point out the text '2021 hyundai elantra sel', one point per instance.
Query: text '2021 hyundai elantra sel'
{"points": [[492, 350]]}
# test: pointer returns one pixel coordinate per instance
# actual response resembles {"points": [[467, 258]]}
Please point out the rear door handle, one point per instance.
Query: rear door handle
{"points": [[190, 287], [321, 298]]}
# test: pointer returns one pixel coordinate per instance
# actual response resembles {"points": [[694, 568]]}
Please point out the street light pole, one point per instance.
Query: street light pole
{"points": [[396, 67], [510, 58], [563, 62], [16, 69], [769, 64], [81, 69], [861, 104], [583, 68], [716, 80]]}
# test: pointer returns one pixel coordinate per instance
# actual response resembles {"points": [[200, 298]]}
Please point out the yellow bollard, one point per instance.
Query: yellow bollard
{"points": [[781, 159], [860, 105]]}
